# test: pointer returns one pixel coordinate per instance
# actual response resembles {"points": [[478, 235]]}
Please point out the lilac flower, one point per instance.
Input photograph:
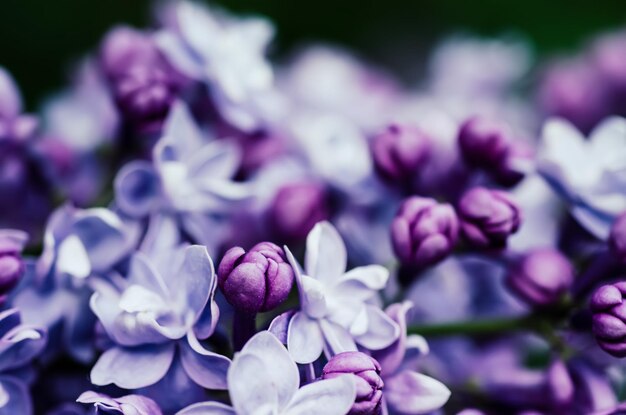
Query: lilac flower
{"points": [[19, 345], [156, 315], [190, 178], [125, 405], [335, 305], [400, 151], [227, 54], [77, 244], [588, 174], [263, 379], [407, 391]]}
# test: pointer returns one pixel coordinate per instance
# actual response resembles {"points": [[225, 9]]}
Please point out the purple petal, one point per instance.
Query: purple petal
{"points": [[137, 189], [132, 368], [204, 367], [279, 326], [15, 396], [382, 331], [414, 393], [10, 100]]}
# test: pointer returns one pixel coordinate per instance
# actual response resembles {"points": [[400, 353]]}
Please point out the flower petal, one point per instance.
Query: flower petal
{"points": [[328, 397], [132, 368], [248, 390], [381, 332], [207, 408], [137, 189], [206, 368], [304, 339], [14, 397], [413, 393], [326, 256]]}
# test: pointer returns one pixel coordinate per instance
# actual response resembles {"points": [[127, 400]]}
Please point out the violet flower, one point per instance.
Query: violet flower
{"points": [[159, 314], [263, 379], [400, 151], [587, 173], [227, 54], [19, 345], [336, 312], [407, 391], [124, 405]]}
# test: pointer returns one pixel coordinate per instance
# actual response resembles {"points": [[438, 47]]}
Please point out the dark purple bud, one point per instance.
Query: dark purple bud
{"points": [[484, 142], [617, 238], [11, 263], [399, 151], [424, 231], [296, 208], [257, 280], [369, 384], [541, 277], [144, 85], [488, 217], [609, 318], [575, 91]]}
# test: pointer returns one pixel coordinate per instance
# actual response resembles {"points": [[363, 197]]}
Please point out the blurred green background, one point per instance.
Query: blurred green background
{"points": [[39, 39]]}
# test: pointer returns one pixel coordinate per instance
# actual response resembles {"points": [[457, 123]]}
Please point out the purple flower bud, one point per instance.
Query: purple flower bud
{"points": [[399, 151], [488, 217], [257, 280], [11, 262], [424, 231], [369, 384], [541, 277], [609, 318], [617, 238], [484, 142], [143, 83], [296, 208]]}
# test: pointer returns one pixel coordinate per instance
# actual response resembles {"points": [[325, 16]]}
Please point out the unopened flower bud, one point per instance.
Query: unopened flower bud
{"points": [[399, 151], [541, 277], [609, 318], [488, 217], [296, 208], [424, 231], [369, 384], [257, 280]]}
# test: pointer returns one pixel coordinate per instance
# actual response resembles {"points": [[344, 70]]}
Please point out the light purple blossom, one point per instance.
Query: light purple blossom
{"points": [[156, 315], [336, 309], [263, 379], [587, 173], [124, 405]]}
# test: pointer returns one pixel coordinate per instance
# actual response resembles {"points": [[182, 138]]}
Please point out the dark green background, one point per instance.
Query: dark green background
{"points": [[40, 38]]}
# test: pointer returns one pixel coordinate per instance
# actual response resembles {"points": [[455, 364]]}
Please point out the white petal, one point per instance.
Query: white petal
{"points": [[381, 330], [304, 339], [413, 393], [329, 397], [72, 258], [326, 256]]}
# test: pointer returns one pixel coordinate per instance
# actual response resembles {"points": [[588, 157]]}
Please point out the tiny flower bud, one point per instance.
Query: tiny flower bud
{"points": [[369, 384], [488, 217], [259, 280], [399, 151], [296, 208], [542, 277], [609, 318], [424, 231]]}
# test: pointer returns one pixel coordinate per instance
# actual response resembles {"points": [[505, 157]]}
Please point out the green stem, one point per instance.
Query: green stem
{"points": [[478, 327]]}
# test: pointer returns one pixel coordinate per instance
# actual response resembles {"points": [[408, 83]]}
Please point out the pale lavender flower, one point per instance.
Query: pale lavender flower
{"points": [[589, 174], [19, 345], [124, 405], [156, 315], [190, 177], [336, 312], [12, 266], [77, 244], [227, 54], [263, 379], [407, 391]]}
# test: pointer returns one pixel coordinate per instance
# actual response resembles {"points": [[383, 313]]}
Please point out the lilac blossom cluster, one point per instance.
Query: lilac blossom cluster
{"points": [[192, 229]]}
